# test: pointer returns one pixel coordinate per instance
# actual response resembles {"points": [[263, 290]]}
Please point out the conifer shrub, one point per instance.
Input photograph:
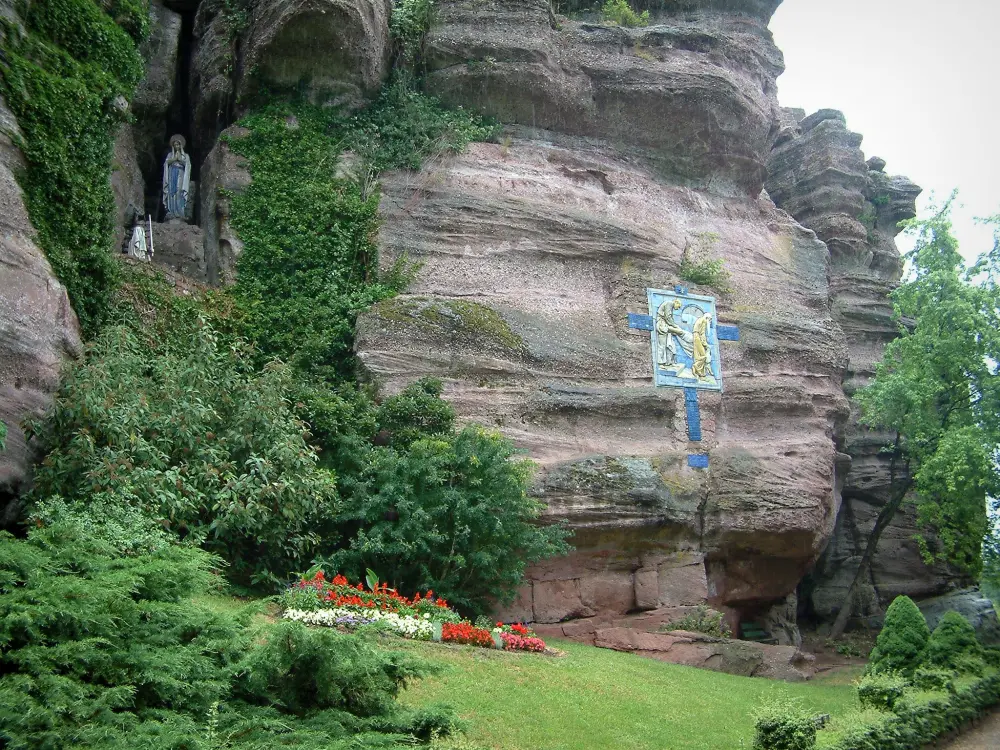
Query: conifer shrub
{"points": [[450, 513], [900, 645], [100, 650], [953, 645]]}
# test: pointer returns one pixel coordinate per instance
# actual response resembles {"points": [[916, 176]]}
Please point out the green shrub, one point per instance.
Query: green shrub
{"points": [[931, 678], [916, 721], [783, 726], [3, 436], [900, 645], [703, 620], [417, 412], [953, 645], [881, 691], [195, 438], [450, 513], [102, 651], [621, 13]]}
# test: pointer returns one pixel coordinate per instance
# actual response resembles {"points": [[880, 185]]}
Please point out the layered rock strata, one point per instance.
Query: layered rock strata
{"points": [[534, 251], [818, 173], [695, 90]]}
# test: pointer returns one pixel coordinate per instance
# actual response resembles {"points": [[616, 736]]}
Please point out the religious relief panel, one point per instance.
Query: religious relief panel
{"points": [[685, 340]]}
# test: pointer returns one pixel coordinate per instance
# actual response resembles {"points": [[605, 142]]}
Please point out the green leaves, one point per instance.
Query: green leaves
{"points": [[449, 513], [190, 435], [60, 79], [938, 389]]}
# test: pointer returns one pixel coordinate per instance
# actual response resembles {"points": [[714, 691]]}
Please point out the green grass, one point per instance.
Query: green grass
{"points": [[593, 699]]}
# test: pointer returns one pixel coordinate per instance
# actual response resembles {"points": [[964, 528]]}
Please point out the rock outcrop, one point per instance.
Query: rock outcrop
{"points": [[717, 654], [695, 91], [533, 253], [38, 329], [973, 606], [818, 173], [334, 51]]}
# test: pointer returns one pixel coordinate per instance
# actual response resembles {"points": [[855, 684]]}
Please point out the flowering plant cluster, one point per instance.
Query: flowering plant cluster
{"points": [[407, 626], [317, 592], [336, 603], [514, 642], [466, 632]]}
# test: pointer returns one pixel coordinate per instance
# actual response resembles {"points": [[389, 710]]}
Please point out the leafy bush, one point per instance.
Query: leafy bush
{"points": [[783, 726], [953, 645], [621, 13], [881, 691], [450, 513], [916, 721], [197, 439], [703, 620], [930, 678], [3, 436], [900, 645], [96, 648]]}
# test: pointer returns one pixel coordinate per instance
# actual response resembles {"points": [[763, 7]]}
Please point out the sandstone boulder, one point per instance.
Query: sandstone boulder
{"points": [[180, 248], [38, 328], [533, 251], [706, 652]]}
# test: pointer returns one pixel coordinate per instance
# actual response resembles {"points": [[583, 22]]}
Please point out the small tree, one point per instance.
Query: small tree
{"points": [[449, 513], [900, 645], [953, 645], [936, 390]]}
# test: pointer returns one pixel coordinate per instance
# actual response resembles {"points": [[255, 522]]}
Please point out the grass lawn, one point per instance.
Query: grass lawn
{"points": [[595, 699]]}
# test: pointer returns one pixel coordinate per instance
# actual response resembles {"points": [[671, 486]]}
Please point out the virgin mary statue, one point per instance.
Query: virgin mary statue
{"points": [[176, 179]]}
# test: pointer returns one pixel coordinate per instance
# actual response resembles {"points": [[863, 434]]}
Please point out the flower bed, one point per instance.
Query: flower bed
{"points": [[336, 603]]}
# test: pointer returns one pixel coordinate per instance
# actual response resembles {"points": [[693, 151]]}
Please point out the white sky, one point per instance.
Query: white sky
{"points": [[918, 79]]}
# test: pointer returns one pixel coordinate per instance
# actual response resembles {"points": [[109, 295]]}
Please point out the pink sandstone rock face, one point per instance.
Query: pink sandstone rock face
{"points": [[533, 253], [38, 329], [702, 651], [818, 173]]}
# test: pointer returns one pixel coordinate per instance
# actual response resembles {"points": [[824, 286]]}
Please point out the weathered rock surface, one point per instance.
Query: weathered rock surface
{"points": [[38, 329], [718, 654], [180, 247], [157, 92], [695, 90], [973, 606], [334, 51], [533, 252], [223, 176], [818, 174], [126, 182]]}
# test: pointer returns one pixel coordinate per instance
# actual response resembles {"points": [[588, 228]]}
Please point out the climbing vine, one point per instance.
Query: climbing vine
{"points": [[65, 75], [309, 219]]}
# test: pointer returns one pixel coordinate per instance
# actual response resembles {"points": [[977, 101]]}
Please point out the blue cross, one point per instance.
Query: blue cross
{"points": [[692, 412]]}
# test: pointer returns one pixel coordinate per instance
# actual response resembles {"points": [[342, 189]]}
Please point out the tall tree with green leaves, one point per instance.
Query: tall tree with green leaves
{"points": [[937, 391]]}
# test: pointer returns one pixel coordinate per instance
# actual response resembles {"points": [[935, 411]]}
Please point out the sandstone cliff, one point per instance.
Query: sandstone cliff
{"points": [[624, 151]]}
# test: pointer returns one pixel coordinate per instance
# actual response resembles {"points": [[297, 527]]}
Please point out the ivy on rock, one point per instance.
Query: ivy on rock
{"points": [[61, 76]]}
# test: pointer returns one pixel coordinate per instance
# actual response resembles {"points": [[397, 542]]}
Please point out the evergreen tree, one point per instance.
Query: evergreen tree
{"points": [[900, 645]]}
